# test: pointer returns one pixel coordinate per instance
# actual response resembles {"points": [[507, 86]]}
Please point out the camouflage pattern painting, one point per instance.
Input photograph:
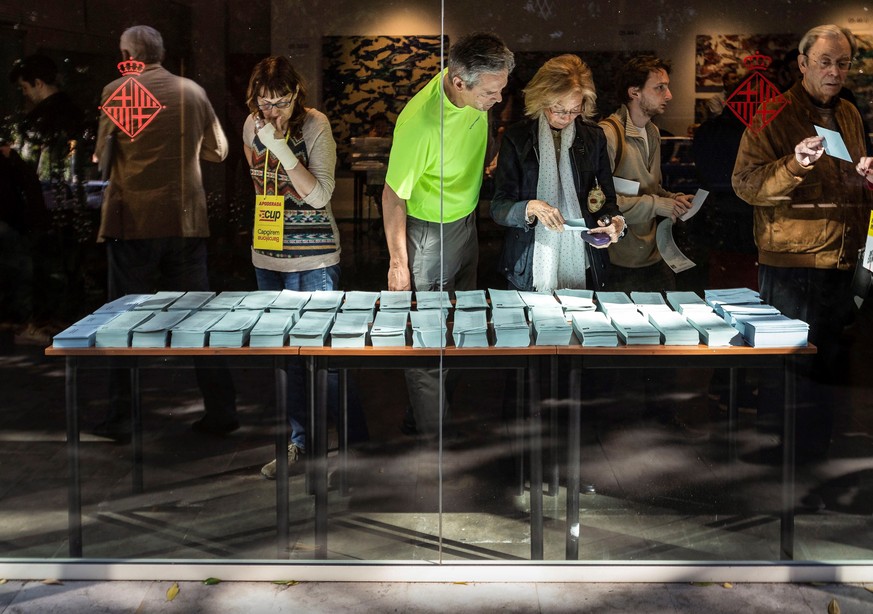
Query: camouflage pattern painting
{"points": [[367, 80]]}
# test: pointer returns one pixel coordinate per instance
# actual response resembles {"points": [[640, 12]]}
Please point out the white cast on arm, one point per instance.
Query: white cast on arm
{"points": [[279, 147]]}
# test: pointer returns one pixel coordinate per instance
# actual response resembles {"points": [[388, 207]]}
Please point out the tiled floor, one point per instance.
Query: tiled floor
{"points": [[662, 494]]}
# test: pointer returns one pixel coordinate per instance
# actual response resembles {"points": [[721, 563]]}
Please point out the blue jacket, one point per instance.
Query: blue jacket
{"points": [[515, 183]]}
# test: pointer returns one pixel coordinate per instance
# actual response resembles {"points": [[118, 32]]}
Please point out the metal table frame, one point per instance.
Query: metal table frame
{"points": [[135, 359], [701, 356], [527, 360]]}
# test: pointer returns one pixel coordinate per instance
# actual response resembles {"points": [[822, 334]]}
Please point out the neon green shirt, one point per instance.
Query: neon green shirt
{"points": [[414, 163]]}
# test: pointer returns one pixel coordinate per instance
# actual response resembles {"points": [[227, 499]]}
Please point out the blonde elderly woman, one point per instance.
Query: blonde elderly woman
{"points": [[554, 167]]}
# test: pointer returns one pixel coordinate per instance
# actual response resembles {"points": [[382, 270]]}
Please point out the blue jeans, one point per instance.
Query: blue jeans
{"points": [[309, 281]]}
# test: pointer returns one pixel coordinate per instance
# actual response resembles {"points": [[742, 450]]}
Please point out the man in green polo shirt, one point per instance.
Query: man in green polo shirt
{"points": [[433, 179]]}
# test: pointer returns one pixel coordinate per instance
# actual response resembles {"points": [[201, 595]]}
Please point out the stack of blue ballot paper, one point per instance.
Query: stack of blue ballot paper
{"points": [[470, 328], [687, 303], [576, 300], [271, 330], [432, 299], [82, 333], [389, 328], [350, 329], [124, 303], [290, 300], [259, 300], [505, 298], [395, 300], [550, 326], [674, 328], [233, 329], [361, 302], [311, 329], [511, 329], [470, 299], [713, 330], [731, 313], [647, 302], [325, 300], [731, 296], [155, 332], [775, 331], [614, 302], [159, 301], [193, 331], [538, 299], [633, 328], [191, 301], [225, 301], [117, 332], [593, 329], [428, 328]]}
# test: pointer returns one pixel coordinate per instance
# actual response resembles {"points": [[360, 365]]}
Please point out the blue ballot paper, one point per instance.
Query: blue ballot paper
{"points": [[389, 328], [193, 331], [833, 143], [154, 332], [271, 330], [511, 329]]}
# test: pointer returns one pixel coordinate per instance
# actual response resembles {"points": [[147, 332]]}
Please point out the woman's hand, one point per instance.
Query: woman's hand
{"points": [[613, 230], [548, 216]]}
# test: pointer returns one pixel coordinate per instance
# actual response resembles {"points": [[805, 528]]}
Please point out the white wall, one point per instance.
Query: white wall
{"points": [[667, 27]]}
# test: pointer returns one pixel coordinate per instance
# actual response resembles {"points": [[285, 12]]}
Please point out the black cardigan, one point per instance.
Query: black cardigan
{"points": [[515, 183]]}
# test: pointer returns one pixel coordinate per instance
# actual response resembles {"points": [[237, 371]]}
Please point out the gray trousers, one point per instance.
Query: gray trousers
{"points": [[460, 261]]}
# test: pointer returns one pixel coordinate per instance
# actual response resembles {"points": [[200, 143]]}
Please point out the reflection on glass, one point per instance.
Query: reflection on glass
{"points": [[664, 466]]}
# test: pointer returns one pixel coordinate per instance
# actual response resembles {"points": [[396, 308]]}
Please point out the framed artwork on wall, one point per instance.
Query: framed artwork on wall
{"points": [[367, 80]]}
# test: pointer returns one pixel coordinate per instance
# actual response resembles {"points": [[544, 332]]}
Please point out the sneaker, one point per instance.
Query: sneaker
{"points": [[294, 454]]}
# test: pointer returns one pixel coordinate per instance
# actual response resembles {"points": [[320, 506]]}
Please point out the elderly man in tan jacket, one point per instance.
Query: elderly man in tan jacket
{"points": [[810, 219]]}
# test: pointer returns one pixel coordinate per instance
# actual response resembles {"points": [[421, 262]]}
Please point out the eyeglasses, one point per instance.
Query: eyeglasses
{"points": [[827, 63], [282, 104], [565, 113]]}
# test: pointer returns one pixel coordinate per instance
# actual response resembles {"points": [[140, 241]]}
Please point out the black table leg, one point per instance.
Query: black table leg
{"points": [[788, 434], [136, 428], [74, 492], [733, 415], [574, 436], [518, 441], [344, 432], [554, 470], [282, 513], [319, 462], [536, 462]]}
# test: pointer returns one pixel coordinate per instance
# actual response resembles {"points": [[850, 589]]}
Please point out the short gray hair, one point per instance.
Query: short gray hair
{"points": [[477, 54], [826, 31], [144, 44]]}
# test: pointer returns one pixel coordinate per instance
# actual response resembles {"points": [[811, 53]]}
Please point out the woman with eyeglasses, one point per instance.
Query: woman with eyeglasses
{"points": [[295, 243], [553, 169]]}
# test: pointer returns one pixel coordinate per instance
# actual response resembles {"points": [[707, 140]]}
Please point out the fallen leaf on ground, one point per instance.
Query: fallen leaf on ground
{"points": [[211, 581], [173, 591], [727, 585], [834, 607]]}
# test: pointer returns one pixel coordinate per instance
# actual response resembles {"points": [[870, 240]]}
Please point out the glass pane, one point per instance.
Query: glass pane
{"points": [[665, 467]]}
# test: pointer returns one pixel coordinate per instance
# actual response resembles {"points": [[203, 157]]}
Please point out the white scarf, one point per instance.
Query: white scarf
{"points": [[559, 257]]}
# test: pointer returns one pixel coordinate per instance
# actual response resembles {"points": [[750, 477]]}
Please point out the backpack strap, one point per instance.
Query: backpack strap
{"points": [[619, 138]]}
